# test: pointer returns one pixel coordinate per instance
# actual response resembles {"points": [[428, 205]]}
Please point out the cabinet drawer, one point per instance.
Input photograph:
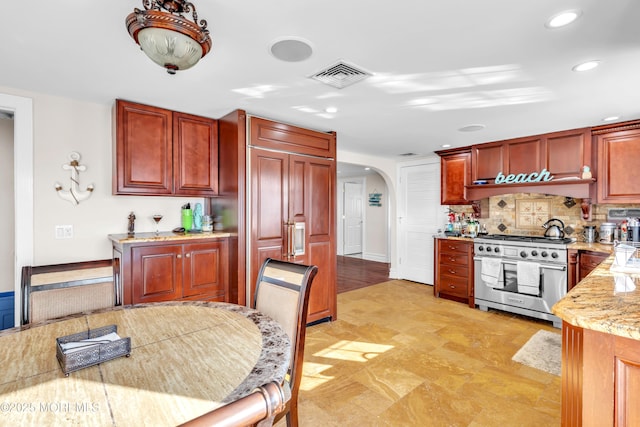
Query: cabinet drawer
{"points": [[591, 260], [456, 258], [453, 246], [453, 285], [454, 270]]}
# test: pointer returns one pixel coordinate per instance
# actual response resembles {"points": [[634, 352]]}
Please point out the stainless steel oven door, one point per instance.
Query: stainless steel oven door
{"points": [[505, 296]]}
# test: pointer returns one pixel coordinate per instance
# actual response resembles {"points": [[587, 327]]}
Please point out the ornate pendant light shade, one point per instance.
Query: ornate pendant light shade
{"points": [[168, 38]]}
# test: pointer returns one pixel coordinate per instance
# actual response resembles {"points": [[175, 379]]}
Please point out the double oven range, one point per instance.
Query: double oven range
{"points": [[522, 274]]}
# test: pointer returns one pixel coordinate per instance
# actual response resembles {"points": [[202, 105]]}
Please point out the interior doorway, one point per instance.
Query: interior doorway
{"points": [[353, 220]]}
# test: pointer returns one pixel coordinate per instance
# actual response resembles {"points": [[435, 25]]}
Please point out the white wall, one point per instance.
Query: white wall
{"points": [[376, 242], [7, 250], [63, 125]]}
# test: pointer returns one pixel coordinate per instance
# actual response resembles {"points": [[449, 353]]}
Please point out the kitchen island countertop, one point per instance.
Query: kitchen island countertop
{"points": [[165, 236]]}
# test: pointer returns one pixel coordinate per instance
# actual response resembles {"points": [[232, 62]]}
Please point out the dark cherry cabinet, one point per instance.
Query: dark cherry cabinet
{"points": [[454, 270], [161, 152], [455, 174], [563, 154], [182, 269], [618, 171], [581, 263]]}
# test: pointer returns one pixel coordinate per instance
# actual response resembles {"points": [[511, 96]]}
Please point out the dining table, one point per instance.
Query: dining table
{"points": [[186, 359]]}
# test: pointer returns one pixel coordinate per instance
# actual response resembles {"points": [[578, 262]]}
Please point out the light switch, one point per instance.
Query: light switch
{"points": [[64, 231]]}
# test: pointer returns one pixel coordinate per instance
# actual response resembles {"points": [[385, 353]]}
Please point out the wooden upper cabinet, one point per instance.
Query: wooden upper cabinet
{"points": [[523, 155], [566, 153], [455, 173], [195, 154], [618, 171], [292, 139], [487, 160], [162, 152], [143, 162]]}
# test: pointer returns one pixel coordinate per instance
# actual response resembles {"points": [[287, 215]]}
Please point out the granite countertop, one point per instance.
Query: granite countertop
{"points": [[164, 236], [604, 301], [595, 247]]}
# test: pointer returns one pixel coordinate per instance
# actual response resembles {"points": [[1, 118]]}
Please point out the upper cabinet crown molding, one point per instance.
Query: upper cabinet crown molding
{"points": [[162, 152]]}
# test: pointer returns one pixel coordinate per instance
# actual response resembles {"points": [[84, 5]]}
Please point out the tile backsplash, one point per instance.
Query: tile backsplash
{"points": [[524, 214]]}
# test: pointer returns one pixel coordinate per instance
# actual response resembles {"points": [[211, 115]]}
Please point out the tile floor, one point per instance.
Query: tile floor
{"points": [[397, 356]]}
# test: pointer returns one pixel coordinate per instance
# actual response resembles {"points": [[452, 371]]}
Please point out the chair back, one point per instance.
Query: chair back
{"points": [[282, 293], [258, 408]]}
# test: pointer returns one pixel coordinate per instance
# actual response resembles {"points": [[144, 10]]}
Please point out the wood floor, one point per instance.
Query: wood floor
{"points": [[356, 273], [397, 356]]}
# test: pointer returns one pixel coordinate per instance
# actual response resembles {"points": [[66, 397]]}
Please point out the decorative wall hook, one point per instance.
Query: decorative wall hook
{"points": [[74, 194]]}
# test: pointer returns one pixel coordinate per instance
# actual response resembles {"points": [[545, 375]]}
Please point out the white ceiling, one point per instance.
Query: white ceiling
{"points": [[437, 65]]}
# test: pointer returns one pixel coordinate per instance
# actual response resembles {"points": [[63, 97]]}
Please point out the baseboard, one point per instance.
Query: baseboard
{"points": [[375, 257], [393, 274]]}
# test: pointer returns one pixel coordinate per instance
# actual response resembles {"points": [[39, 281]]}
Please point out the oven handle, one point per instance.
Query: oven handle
{"points": [[542, 266]]}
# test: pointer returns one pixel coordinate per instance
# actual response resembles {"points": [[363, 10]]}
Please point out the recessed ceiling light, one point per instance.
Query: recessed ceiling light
{"points": [[331, 110], [586, 66], [367, 169], [610, 118], [563, 18], [472, 128], [291, 49], [445, 145]]}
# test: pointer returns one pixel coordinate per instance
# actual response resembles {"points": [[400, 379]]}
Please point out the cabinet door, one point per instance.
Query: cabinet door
{"points": [[618, 171], [312, 200], [455, 173], [523, 155], [487, 160], [283, 137], [143, 155], [195, 154], [156, 273], [205, 271], [269, 209], [565, 153]]}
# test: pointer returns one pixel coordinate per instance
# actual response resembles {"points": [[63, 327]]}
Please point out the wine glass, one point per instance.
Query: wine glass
{"points": [[157, 218]]}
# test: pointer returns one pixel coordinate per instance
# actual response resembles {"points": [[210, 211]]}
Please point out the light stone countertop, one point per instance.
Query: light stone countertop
{"points": [[165, 236], [599, 303]]}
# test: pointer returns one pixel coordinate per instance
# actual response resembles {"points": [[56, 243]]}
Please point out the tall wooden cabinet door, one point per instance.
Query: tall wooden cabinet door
{"points": [[204, 269], [312, 199], [269, 209], [195, 154], [565, 153], [618, 171], [455, 173], [156, 273], [487, 160], [143, 156]]}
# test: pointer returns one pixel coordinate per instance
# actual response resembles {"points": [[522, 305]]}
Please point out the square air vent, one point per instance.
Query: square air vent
{"points": [[341, 75]]}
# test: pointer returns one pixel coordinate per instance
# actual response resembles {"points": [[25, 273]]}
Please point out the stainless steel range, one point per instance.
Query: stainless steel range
{"points": [[520, 274]]}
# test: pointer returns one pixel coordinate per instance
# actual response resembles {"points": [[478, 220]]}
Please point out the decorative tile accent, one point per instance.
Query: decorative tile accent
{"points": [[532, 213], [502, 227], [569, 202], [569, 230], [502, 204]]}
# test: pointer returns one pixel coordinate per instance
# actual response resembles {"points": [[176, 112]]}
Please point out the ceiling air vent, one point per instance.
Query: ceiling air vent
{"points": [[341, 75], [408, 154]]}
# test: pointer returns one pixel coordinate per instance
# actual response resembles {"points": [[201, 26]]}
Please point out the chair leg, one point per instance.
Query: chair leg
{"points": [[292, 415]]}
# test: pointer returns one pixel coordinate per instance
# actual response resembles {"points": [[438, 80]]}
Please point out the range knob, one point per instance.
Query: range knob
{"points": [[496, 249], [480, 248], [544, 254], [554, 255], [523, 254], [534, 253]]}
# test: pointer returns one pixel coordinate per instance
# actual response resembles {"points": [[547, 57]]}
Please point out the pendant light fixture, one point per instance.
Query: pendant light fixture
{"points": [[166, 36]]}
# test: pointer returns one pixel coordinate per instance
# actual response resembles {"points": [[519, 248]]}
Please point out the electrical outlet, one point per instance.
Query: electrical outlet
{"points": [[64, 231]]}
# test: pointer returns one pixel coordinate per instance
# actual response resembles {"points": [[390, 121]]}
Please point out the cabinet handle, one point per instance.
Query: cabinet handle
{"points": [[451, 259], [188, 255], [179, 256], [452, 271], [452, 286]]}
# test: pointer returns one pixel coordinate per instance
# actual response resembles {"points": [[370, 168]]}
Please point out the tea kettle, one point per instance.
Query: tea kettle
{"points": [[553, 231]]}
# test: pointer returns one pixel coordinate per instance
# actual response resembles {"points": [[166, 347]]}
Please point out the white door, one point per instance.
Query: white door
{"points": [[353, 211], [420, 217]]}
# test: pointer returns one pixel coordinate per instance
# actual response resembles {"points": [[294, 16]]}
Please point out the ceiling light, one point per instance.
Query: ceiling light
{"points": [[472, 128], [331, 110], [445, 145], [586, 66], [610, 118], [563, 18], [168, 38], [291, 49]]}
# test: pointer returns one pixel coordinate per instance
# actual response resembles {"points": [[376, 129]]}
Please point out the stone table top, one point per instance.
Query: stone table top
{"points": [[604, 301], [187, 358], [164, 236]]}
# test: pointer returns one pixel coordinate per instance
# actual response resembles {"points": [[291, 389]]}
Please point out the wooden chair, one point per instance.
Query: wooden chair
{"points": [[256, 409], [58, 290], [282, 293]]}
